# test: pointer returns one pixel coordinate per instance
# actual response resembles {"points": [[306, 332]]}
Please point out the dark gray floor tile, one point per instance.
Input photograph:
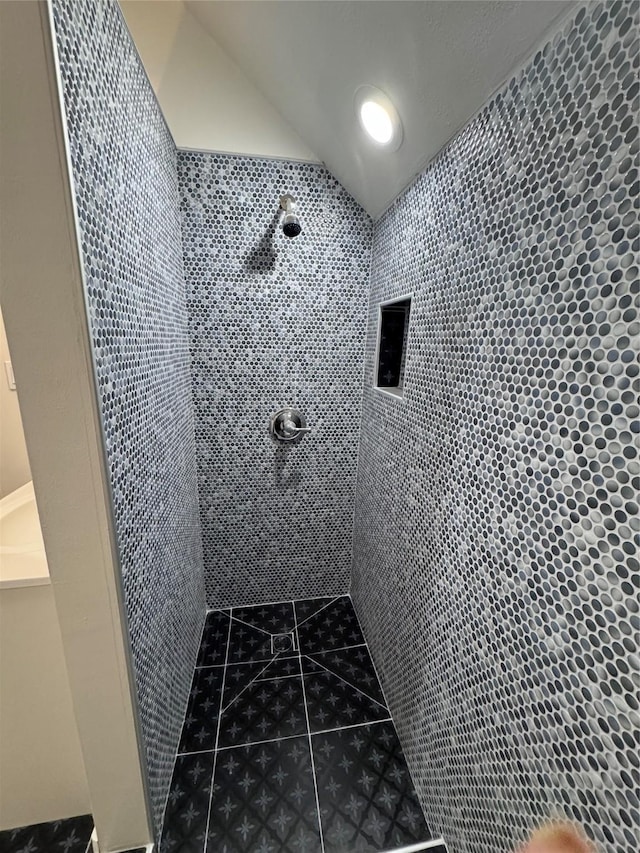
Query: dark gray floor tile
{"points": [[282, 666], [239, 677], [307, 607], [333, 627], [367, 799], [213, 646], [264, 800], [248, 644], [352, 665], [201, 721], [333, 703], [70, 835], [265, 710], [185, 821], [272, 618]]}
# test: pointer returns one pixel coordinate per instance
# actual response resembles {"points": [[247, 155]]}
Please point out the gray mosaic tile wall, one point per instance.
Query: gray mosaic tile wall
{"points": [[495, 551], [124, 169], [274, 321]]}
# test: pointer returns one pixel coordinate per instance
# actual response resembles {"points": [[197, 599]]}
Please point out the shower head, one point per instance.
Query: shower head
{"points": [[290, 223]]}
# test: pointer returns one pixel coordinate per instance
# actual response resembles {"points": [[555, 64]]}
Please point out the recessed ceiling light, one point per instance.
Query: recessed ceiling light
{"points": [[378, 117], [377, 122]]}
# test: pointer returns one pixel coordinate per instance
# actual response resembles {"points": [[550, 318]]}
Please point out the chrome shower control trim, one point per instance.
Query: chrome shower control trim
{"points": [[289, 425]]}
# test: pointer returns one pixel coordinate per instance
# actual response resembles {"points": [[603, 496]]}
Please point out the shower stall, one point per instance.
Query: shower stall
{"points": [[363, 615]]}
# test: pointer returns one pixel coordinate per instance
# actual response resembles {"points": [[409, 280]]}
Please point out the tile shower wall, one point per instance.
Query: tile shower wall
{"points": [[124, 169], [495, 567], [273, 322]]}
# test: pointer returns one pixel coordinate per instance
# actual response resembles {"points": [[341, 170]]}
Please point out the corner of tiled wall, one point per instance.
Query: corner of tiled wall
{"points": [[124, 171], [495, 556]]}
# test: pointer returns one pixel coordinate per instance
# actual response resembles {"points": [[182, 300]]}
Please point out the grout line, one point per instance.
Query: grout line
{"points": [[215, 751], [258, 742], [338, 649], [257, 678], [184, 719], [348, 683], [226, 611], [419, 846], [274, 603], [319, 610], [247, 686], [247, 625], [313, 765], [277, 678], [196, 752], [351, 726], [286, 654], [375, 668], [384, 696], [204, 628], [288, 737]]}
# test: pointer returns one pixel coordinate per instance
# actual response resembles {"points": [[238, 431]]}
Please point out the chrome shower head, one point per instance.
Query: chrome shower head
{"points": [[290, 223]]}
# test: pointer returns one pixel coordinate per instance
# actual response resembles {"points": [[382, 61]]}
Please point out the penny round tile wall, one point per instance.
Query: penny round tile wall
{"points": [[274, 321], [495, 553], [124, 172]]}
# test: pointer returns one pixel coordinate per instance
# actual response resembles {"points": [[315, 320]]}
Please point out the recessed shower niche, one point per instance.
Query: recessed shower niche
{"points": [[391, 349]]}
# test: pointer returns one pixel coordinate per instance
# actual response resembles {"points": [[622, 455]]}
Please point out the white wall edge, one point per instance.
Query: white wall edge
{"points": [[250, 156], [44, 310], [417, 848], [21, 583]]}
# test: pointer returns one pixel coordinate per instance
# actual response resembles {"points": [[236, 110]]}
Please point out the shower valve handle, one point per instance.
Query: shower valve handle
{"points": [[288, 425]]}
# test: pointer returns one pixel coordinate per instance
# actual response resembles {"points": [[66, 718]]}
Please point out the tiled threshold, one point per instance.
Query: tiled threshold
{"points": [[71, 835], [293, 751]]}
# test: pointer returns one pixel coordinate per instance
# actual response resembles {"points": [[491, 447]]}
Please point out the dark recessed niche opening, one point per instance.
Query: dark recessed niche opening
{"points": [[391, 354]]}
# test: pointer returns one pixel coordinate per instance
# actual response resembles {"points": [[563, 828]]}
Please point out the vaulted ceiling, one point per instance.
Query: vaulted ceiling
{"points": [[439, 62]]}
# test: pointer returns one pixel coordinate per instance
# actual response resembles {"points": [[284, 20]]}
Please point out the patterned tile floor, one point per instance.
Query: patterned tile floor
{"points": [[71, 835], [293, 750]]}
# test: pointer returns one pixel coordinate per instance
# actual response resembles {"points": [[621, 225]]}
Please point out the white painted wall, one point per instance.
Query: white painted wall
{"points": [[45, 318], [14, 462], [208, 102], [42, 776]]}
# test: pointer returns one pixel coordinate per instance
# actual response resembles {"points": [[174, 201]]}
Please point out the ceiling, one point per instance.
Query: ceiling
{"points": [[278, 77], [438, 61], [208, 101]]}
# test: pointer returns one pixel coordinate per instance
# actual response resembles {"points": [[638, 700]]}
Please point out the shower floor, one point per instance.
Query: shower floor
{"points": [[291, 750]]}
